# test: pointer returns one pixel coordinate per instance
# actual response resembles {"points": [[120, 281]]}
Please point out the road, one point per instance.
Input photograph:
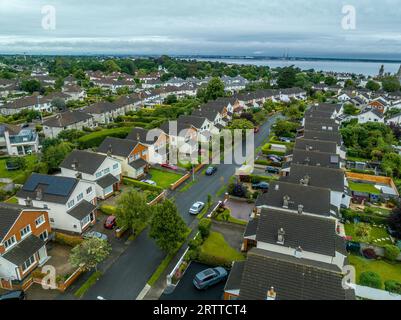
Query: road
{"points": [[125, 279]]}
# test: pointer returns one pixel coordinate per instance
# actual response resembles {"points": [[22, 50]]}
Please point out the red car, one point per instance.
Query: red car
{"points": [[169, 166], [110, 222]]}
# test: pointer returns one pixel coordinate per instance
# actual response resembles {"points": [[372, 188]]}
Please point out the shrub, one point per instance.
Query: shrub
{"points": [[369, 253], [68, 240], [237, 190], [391, 252], [370, 279], [214, 261], [204, 227], [363, 217], [94, 139], [141, 185], [107, 209], [392, 286]]}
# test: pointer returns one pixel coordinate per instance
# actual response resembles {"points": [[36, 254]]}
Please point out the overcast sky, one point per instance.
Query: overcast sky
{"points": [[221, 27]]}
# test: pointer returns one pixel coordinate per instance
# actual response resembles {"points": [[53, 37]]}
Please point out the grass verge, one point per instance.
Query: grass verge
{"points": [[88, 284]]}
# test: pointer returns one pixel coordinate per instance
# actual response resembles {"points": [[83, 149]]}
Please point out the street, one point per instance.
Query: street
{"points": [[125, 279]]}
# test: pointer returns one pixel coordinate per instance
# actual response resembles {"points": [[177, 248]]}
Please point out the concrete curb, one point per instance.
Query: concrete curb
{"points": [[143, 293]]}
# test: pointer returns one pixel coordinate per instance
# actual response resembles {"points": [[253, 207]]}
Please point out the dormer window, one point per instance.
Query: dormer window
{"points": [[10, 242]]}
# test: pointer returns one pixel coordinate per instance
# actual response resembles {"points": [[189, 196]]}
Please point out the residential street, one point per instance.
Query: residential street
{"points": [[128, 275]]}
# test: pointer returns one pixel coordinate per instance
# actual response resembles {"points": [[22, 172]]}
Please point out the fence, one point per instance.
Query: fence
{"points": [[179, 182]]}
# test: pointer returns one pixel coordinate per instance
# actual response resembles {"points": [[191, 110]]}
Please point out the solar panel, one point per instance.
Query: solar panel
{"points": [[60, 186]]}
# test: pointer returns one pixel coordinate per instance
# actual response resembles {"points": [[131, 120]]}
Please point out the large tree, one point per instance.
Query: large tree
{"points": [[373, 85], [391, 84], [394, 222], [214, 90], [89, 253], [133, 211], [287, 77], [54, 154], [167, 227]]}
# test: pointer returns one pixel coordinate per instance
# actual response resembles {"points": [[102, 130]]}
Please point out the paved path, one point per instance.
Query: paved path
{"points": [[126, 278]]}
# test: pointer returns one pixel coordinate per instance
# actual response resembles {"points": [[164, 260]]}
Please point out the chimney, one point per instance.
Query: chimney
{"points": [[300, 209], [138, 137], [286, 200], [110, 150], [280, 236], [298, 253], [74, 164], [305, 181], [39, 194], [28, 202], [271, 294]]}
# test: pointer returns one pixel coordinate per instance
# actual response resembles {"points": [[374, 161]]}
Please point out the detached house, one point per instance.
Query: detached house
{"points": [[132, 155], [100, 169], [70, 202], [24, 232], [370, 115], [396, 119], [17, 141]]}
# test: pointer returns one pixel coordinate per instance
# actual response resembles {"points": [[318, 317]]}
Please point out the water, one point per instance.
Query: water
{"points": [[357, 67]]}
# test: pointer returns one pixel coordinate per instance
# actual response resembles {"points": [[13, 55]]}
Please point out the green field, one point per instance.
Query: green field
{"points": [[163, 178], [363, 187]]}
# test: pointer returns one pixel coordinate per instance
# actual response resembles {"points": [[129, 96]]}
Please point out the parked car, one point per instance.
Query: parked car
{"points": [[13, 295], [270, 169], [169, 166], [275, 156], [196, 208], [260, 186], [151, 182], [95, 234], [209, 277], [274, 159], [110, 223], [211, 170], [285, 139]]}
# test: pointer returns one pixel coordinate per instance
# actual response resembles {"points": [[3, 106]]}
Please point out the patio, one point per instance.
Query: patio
{"points": [[241, 210]]}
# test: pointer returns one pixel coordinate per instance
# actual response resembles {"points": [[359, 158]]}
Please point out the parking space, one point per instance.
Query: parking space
{"points": [[185, 289], [240, 209]]}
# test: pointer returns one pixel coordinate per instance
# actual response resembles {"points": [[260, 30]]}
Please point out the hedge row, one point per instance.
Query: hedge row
{"points": [[94, 139], [68, 240], [142, 185], [363, 217], [267, 151], [107, 209]]}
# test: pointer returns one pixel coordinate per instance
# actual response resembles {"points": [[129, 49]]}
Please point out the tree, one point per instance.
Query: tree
{"points": [[133, 211], [391, 252], [167, 227], [71, 135], [89, 253], [362, 231], [214, 90], [241, 124], [204, 227], [373, 85], [171, 99], [111, 66], [58, 103], [350, 109], [349, 83], [394, 222], [370, 279], [59, 83], [330, 81], [31, 85], [391, 164], [391, 84], [286, 77], [283, 128], [53, 155]]}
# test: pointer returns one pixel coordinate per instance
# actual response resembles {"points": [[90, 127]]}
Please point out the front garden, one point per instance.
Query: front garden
{"points": [[164, 178]]}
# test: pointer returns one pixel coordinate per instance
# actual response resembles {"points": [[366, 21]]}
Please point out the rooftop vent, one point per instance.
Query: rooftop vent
{"points": [[271, 294], [286, 200], [39, 194], [280, 236], [300, 209], [298, 253], [28, 202]]}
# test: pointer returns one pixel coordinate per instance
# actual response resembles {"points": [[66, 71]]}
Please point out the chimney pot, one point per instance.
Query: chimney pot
{"points": [[300, 209], [280, 236], [271, 294]]}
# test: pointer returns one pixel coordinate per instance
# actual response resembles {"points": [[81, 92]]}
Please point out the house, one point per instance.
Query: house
{"points": [[322, 177], [70, 202], [155, 140], [24, 232], [315, 158], [273, 276], [33, 102], [344, 97], [128, 103], [370, 115], [203, 125], [323, 135], [396, 119], [380, 104], [74, 91], [66, 121], [131, 154], [315, 145], [321, 124], [100, 169], [18, 141], [105, 112]]}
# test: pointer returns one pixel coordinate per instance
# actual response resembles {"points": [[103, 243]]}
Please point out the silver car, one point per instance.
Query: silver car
{"points": [[196, 208], [95, 234]]}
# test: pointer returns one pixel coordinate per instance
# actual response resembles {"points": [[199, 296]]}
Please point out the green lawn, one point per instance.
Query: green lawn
{"points": [[386, 270], [363, 187], [163, 178], [375, 234], [215, 250], [12, 200], [31, 160]]}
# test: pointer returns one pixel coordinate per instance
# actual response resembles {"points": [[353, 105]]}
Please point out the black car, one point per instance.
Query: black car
{"points": [[270, 169], [260, 186], [211, 171], [13, 295]]}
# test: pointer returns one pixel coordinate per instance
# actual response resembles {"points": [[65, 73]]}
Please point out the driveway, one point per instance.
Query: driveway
{"points": [[240, 209], [185, 290]]}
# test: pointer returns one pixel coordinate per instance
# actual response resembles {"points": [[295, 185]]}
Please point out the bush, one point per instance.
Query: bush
{"points": [[237, 190], [350, 215], [107, 209], [204, 227], [68, 240], [141, 185], [391, 252], [392, 286], [370, 279], [214, 261], [95, 139], [369, 254]]}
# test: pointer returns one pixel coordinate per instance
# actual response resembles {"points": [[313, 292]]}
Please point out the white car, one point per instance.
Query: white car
{"points": [[196, 208], [151, 182]]}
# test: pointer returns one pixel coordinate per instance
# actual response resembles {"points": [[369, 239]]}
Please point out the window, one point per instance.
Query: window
{"points": [[144, 153], [89, 190], [28, 263], [9, 242], [106, 171], [115, 166], [71, 203], [80, 197], [85, 220], [98, 174], [45, 206], [27, 230], [44, 235], [39, 221]]}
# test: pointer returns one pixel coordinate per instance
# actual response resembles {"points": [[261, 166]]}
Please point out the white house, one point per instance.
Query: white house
{"points": [[370, 115], [71, 202], [396, 119]]}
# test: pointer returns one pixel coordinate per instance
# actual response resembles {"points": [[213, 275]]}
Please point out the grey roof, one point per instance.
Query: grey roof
{"points": [[83, 161], [251, 227], [314, 200], [54, 189], [66, 118], [323, 135], [24, 250], [321, 159], [138, 163], [311, 233], [292, 278], [374, 111], [21, 103], [107, 181], [8, 215], [323, 177], [83, 209], [321, 126], [316, 145], [118, 147], [235, 276], [140, 135], [194, 121], [101, 107]]}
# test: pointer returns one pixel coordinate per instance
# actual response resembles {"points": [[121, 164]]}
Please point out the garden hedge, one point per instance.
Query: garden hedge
{"points": [[370, 279], [68, 240], [142, 185], [363, 217], [95, 139], [392, 286]]}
